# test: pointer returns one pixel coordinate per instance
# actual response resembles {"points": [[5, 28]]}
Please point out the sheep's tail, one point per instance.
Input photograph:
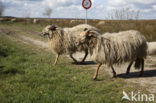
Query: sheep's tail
{"points": [[138, 63]]}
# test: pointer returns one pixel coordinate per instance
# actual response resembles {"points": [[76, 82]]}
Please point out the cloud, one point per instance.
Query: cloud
{"points": [[132, 4], [73, 8], [143, 2], [154, 7], [60, 3], [35, 8], [146, 7], [23, 8]]}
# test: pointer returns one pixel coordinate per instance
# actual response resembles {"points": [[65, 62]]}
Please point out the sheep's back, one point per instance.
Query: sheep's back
{"points": [[151, 48], [121, 47]]}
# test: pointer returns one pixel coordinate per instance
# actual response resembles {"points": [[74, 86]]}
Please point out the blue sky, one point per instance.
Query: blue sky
{"points": [[73, 9]]}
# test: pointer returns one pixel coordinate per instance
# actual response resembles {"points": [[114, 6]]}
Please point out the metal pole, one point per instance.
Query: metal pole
{"points": [[86, 17]]}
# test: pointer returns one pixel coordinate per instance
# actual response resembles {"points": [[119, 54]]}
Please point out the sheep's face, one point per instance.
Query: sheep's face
{"points": [[87, 37], [48, 30]]}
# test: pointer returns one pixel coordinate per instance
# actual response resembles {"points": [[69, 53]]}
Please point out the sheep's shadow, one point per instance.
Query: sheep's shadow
{"points": [[147, 74], [85, 63], [1, 68]]}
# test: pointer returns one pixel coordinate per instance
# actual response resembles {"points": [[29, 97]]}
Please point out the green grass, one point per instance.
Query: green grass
{"points": [[27, 76]]}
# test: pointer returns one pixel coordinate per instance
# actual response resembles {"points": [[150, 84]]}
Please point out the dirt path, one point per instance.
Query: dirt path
{"points": [[34, 41], [148, 80]]}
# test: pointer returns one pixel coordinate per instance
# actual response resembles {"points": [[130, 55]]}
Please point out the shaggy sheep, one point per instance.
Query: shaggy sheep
{"points": [[151, 48], [62, 40], [115, 48]]}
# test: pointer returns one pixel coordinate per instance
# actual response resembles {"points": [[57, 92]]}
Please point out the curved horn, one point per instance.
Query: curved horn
{"points": [[92, 33]]}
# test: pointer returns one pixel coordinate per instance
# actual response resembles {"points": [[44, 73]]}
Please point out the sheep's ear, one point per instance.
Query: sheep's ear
{"points": [[53, 28]]}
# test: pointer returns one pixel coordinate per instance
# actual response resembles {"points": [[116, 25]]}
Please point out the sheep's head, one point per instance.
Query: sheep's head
{"points": [[88, 37], [48, 30]]}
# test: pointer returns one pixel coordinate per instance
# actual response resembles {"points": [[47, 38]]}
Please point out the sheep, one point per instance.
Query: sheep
{"points": [[73, 21], [101, 23], [62, 40], [13, 20], [151, 48], [35, 21], [115, 48]]}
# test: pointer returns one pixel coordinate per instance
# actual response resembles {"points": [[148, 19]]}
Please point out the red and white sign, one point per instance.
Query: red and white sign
{"points": [[86, 4]]}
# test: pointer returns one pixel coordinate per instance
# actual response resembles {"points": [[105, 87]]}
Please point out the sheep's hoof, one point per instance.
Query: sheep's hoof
{"points": [[82, 62], [127, 73], [141, 75], [78, 63], [94, 78], [75, 62], [54, 64], [114, 76]]}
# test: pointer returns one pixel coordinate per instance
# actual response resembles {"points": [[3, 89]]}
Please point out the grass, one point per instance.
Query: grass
{"points": [[27, 76]]}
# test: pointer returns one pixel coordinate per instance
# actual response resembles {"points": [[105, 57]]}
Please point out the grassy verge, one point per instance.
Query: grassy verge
{"points": [[27, 75]]}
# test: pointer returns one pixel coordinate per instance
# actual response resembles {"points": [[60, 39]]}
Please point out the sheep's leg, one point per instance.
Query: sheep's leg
{"points": [[114, 73], [97, 70], [86, 53], [142, 68], [129, 66], [57, 56], [73, 58]]}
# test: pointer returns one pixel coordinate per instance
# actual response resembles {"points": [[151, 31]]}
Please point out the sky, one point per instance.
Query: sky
{"points": [[101, 9]]}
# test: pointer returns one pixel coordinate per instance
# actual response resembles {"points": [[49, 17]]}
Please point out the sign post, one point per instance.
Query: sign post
{"points": [[86, 5], [86, 17]]}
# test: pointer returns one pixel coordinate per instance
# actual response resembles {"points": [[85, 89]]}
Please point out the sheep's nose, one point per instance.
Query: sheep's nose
{"points": [[42, 34]]}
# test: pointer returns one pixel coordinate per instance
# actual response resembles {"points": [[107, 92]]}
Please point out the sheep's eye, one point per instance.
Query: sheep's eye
{"points": [[85, 29], [89, 37]]}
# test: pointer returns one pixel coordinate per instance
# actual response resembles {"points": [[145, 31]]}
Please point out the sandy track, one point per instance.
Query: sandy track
{"points": [[35, 41]]}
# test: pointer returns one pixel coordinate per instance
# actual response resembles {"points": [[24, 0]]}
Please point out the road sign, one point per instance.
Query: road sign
{"points": [[86, 4]]}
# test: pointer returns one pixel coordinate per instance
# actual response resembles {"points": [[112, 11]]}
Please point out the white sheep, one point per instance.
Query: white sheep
{"points": [[115, 48], [151, 48], [13, 20], [35, 21], [62, 40], [101, 23]]}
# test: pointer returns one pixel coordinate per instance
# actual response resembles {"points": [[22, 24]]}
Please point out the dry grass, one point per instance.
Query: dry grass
{"points": [[146, 27]]}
